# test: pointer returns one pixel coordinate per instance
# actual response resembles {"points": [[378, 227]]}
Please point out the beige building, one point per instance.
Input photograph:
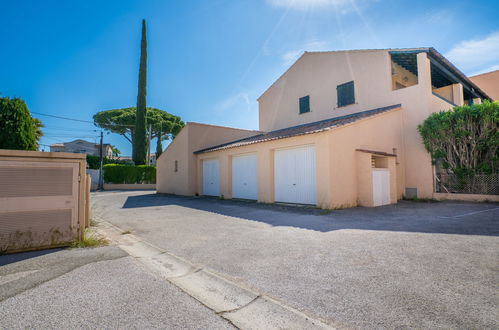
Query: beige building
{"points": [[489, 82], [337, 129], [82, 147]]}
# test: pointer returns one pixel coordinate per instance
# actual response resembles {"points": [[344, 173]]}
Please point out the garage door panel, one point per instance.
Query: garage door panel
{"points": [[295, 177], [244, 177], [211, 177]]}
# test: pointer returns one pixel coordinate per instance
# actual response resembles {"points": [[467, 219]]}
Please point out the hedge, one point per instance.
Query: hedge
{"points": [[93, 162], [116, 173]]}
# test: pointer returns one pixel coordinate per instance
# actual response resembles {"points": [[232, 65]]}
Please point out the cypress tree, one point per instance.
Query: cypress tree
{"points": [[159, 146], [139, 151]]}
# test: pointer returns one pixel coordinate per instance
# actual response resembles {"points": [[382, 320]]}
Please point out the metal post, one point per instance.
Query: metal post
{"points": [[101, 181], [149, 146]]}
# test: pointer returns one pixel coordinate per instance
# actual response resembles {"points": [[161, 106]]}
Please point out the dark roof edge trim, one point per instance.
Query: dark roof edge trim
{"points": [[374, 152], [373, 111]]}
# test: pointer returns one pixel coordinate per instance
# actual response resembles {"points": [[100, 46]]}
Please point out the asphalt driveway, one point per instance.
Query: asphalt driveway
{"points": [[411, 265], [98, 288]]}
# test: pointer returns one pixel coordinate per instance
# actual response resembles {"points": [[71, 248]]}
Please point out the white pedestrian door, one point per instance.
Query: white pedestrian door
{"points": [[211, 177], [294, 175], [381, 187], [244, 177]]}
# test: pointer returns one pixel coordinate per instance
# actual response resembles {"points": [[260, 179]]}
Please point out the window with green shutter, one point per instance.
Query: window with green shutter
{"points": [[305, 104], [346, 94]]}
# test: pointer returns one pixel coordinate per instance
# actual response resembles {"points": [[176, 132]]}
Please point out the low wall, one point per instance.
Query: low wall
{"points": [[43, 199], [466, 197], [138, 186], [94, 174]]}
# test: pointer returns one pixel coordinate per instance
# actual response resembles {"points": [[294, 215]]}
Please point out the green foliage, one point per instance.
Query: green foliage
{"points": [[18, 130], [116, 151], [465, 140], [159, 146], [90, 240], [122, 121], [116, 173], [93, 162], [139, 140]]}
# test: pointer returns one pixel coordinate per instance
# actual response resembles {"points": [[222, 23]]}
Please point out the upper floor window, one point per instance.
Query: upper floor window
{"points": [[175, 167], [304, 104], [346, 94]]}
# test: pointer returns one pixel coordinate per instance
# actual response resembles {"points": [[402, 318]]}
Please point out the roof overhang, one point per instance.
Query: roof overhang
{"points": [[444, 70], [377, 153]]}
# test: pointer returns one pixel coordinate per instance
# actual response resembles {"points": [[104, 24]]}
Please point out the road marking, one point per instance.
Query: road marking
{"points": [[243, 307], [470, 213]]}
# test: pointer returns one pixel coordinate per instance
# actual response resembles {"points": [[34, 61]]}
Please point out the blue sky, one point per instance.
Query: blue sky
{"points": [[208, 60]]}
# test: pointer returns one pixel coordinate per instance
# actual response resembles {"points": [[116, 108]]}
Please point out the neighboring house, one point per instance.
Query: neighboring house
{"points": [[82, 147], [489, 82], [338, 129]]}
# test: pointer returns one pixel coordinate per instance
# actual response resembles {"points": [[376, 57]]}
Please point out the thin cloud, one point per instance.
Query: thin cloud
{"points": [[476, 55], [291, 56], [440, 17], [305, 4], [485, 70], [239, 100]]}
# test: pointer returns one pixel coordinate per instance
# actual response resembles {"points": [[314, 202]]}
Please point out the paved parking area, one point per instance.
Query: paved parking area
{"points": [[410, 265], [99, 288]]}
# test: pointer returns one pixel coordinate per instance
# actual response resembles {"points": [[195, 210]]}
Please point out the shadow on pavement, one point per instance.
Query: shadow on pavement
{"points": [[443, 217], [16, 257]]}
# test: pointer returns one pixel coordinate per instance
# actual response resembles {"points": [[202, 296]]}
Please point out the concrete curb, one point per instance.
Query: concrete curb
{"points": [[241, 306]]}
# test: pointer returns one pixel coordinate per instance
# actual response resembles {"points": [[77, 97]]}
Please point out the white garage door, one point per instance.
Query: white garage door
{"points": [[294, 174], [244, 177], [211, 177], [381, 187]]}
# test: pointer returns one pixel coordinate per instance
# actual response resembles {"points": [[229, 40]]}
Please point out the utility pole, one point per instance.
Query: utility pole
{"points": [[149, 146], [101, 181]]}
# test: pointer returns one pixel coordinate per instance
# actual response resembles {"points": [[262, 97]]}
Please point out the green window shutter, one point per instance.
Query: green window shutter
{"points": [[346, 94], [305, 104]]}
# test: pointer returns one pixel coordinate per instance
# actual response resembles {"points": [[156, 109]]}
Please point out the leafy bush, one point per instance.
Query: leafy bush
{"points": [[18, 130], [116, 173], [93, 162], [465, 139]]}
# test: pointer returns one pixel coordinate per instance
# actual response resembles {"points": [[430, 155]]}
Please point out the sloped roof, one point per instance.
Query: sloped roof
{"points": [[310, 128], [437, 57]]}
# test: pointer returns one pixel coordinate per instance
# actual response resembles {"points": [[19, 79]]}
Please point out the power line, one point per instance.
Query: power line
{"points": [[79, 120], [59, 117], [50, 127], [71, 136]]}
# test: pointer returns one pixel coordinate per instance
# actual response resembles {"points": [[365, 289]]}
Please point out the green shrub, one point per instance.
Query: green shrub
{"points": [[117, 173], [94, 161], [18, 130], [465, 139]]}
